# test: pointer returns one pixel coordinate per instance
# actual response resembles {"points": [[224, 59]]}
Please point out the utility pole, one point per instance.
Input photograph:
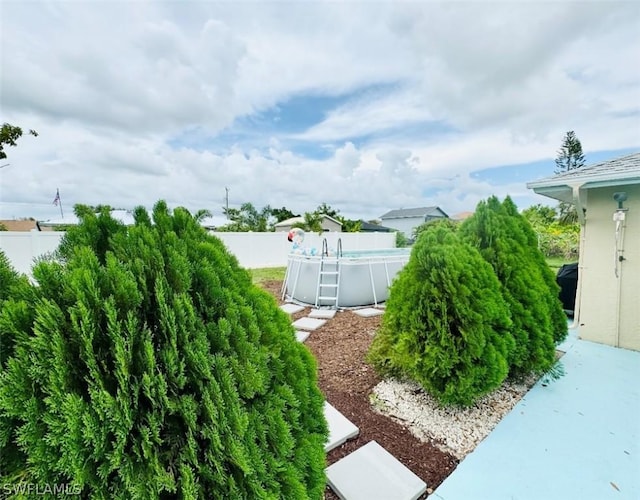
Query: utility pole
{"points": [[226, 189]]}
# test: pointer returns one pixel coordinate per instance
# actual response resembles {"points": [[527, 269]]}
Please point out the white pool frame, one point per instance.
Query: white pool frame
{"points": [[364, 280]]}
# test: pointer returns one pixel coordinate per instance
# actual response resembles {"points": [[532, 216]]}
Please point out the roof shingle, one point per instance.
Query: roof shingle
{"points": [[623, 168], [20, 225], [410, 212]]}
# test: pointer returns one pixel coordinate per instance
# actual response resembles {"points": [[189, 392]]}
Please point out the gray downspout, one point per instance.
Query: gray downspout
{"points": [[580, 209]]}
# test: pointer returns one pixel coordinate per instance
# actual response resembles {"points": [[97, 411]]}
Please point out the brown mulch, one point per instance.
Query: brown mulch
{"points": [[340, 347]]}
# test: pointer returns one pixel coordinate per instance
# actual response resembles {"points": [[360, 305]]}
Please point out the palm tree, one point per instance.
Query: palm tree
{"points": [[312, 222], [201, 215]]}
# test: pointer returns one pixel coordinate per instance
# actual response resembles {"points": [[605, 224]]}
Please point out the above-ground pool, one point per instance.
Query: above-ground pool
{"points": [[354, 279]]}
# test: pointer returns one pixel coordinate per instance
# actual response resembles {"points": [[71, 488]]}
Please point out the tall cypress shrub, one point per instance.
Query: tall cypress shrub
{"points": [[446, 325], [497, 230], [556, 312], [16, 314], [153, 368]]}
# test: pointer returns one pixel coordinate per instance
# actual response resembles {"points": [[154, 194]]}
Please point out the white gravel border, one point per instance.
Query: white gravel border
{"points": [[454, 430]]}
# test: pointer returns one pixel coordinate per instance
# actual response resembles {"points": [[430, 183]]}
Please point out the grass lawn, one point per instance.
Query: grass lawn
{"points": [[267, 273], [556, 263]]}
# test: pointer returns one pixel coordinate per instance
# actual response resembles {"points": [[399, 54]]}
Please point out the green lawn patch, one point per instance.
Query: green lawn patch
{"points": [[267, 274], [556, 263]]}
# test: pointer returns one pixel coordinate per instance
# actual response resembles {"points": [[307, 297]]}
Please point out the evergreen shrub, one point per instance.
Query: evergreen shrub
{"points": [[556, 312], [149, 366], [446, 325], [508, 243], [16, 294], [16, 299]]}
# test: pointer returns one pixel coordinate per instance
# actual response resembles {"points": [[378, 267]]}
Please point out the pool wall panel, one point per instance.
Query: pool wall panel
{"points": [[363, 281]]}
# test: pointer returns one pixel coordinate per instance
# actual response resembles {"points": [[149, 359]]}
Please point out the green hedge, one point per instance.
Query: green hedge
{"points": [[446, 324], [506, 241], [145, 364], [475, 303]]}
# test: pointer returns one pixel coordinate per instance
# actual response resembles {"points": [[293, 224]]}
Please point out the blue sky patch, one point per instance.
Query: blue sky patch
{"points": [[300, 112], [288, 118], [527, 172]]}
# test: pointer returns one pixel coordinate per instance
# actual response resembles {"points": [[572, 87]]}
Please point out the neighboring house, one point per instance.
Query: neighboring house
{"points": [[368, 227], [407, 219], [20, 225], [328, 224], [607, 199]]}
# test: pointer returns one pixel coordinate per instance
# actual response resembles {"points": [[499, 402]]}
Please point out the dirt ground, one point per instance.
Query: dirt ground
{"points": [[340, 347]]}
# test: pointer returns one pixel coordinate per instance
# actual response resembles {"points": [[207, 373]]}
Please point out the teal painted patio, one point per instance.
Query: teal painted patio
{"points": [[577, 437]]}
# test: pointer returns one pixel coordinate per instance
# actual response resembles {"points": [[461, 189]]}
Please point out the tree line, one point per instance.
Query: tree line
{"points": [[250, 218], [557, 229]]}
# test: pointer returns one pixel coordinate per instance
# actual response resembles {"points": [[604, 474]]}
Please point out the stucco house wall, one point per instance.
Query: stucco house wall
{"points": [[610, 304], [330, 224], [608, 297], [406, 220], [406, 225]]}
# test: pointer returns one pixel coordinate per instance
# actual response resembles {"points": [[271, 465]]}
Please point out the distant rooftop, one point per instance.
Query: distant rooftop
{"points": [[462, 215], [411, 212], [299, 218], [20, 225], [374, 228]]}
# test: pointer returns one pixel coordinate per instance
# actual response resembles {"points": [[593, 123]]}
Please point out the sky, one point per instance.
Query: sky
{"points": [[367, 106]]}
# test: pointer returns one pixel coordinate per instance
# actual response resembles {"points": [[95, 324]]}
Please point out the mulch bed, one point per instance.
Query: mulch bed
{"points": [[340, 347]]}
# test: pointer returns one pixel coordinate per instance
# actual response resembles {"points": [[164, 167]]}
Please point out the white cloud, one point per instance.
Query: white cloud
{"points": [[371, 113], [448, 89]]}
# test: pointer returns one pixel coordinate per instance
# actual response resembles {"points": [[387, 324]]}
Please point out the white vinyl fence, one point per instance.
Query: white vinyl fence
{"points": [[253, 250], [22, 248]]}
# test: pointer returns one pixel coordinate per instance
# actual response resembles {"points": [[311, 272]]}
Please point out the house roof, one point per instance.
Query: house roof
{"points": [[20, 225], [617, 172], [369, 227], [411, 212], [462, 215], [289, 222], [293, 220]]}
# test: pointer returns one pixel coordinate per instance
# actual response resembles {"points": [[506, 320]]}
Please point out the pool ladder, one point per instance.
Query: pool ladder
{"points": [[329, 275]]}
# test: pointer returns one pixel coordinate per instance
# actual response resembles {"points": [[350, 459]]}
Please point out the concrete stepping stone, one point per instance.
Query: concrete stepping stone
{"points": [[368, 312], [302, 336], [371, 472], [291, 308], [309, 324], [340, 427], [322, 313]]}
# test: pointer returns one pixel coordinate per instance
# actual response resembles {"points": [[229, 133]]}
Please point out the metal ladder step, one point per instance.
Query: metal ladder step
{"points": [[324, 297], [333, 262]]}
